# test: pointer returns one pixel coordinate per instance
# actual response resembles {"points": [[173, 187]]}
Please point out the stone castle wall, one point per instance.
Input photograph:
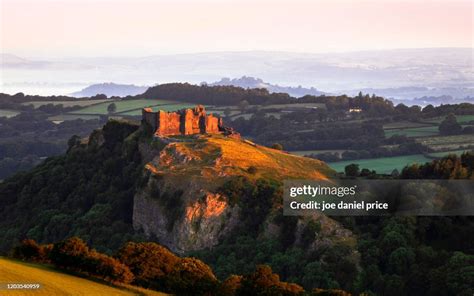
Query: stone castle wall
{"points": [[182, 122]]}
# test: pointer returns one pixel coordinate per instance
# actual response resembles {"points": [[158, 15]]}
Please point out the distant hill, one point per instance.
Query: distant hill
{"points": [[448, 70], [110, 90], [12, 61], [57, 283], [434, 100], [251, 82]]}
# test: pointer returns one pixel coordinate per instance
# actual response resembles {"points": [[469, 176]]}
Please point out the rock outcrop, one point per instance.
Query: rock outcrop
{"points": [[181, 204]]}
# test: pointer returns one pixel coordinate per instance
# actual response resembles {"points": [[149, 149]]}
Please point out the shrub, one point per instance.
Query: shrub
{"points": [[252, 170], [264, 282], [108, 268], [149, 262], [69, 253], [32, 251], [330, 292], [230, 286], [191, 276], [277, 146], [74, 254]]}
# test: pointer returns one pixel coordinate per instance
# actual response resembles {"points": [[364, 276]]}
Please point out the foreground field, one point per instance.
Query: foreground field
{"points": [[57, 283]]}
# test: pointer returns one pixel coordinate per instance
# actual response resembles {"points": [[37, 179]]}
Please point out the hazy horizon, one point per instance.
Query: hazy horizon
{"points": [[58, 47]]}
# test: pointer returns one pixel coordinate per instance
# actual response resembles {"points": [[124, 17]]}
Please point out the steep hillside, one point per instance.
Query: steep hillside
{"points": [[184, 203], [87, 192], [189, 193]]}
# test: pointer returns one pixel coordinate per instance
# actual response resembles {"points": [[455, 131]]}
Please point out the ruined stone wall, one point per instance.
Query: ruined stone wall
{"points": [[190, 122], [168, 123], [150, 117], [183, 122], [211, 125]]}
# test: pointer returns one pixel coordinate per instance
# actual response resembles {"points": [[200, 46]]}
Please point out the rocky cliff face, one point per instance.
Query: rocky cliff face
{"points": [[180, 202]]}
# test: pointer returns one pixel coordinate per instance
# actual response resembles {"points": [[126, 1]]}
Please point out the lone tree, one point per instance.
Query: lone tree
{"points": [[111, 108], [277, 146], [352, 170], [243, 105], [450, 126]]}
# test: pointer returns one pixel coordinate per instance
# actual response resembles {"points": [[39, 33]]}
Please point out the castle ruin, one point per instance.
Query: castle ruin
{"points": [[183, 122]]}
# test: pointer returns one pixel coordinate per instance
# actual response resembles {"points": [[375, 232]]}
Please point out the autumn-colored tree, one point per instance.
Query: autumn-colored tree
{"points": [[230, 285], [30, 250], [149, 272], [264, 282], [191, 276], [69, 253]]}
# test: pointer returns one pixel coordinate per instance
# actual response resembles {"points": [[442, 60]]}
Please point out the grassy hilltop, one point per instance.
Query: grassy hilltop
{"points": [[215, 155]]}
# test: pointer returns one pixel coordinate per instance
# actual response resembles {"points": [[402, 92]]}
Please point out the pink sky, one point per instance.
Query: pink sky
{"points": [[38, 28]]}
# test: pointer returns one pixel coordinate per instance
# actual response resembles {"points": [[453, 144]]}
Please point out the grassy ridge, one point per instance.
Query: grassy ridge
{"points": [[56, 283]]}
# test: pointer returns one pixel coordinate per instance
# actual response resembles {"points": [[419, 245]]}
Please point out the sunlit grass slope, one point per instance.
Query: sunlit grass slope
{"points": [[217, 156], [56, 283]]}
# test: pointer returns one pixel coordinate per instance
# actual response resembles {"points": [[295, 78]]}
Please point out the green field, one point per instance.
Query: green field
{"points": [[82, 103], [64, 117], [8, 113], [296, 105], [57, 283], [425, 131], [446, 143], [460, 119], [441, 154], [383, 165], [404, 124], [245, 116], [309, 152], [126, 105], [168, 107]]}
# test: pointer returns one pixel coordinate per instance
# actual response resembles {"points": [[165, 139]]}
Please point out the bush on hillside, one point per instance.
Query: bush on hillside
{"points": [[264, 282], [74, 254], [150, 272], [30, 250]]}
